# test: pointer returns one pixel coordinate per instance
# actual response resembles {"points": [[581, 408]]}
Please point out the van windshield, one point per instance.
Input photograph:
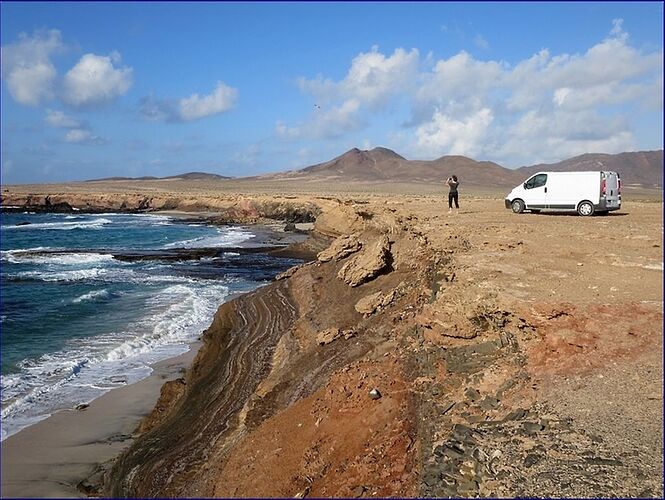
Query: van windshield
{"points": [[536, 181]]}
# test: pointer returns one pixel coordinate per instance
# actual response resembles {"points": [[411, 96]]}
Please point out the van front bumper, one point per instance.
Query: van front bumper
{"points": [[507, 202]]}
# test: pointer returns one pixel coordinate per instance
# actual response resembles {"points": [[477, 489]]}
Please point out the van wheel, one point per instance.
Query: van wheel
{"points": [[517, 206], [585, 209]]}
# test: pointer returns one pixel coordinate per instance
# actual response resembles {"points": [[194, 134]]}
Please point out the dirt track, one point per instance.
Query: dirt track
{"points": [[516, 355]]}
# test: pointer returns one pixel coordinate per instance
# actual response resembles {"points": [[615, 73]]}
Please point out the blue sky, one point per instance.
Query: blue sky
{"points": [[93, 90]]}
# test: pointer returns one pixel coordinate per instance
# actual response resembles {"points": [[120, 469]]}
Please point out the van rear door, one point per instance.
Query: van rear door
{"points": [[610, 190]]}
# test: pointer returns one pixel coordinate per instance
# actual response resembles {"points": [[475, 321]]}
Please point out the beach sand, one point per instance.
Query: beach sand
{"points": [[50, 458]]}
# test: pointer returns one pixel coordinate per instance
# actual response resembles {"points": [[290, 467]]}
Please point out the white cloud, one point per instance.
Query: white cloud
{"points": [[481, 43], [546, 107], [446, 135], [617, 27], [58, 119], [610, 62], [78, 132], [27, 68], [194, 107], [372, 78], [605, 94], [458, 83], [371, 81], [83, 136], [545, 137], [96, 79], [325, 123]]}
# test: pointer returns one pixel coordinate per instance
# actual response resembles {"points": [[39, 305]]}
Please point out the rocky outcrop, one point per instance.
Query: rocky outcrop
{"points": [[465, 316], [229, 209], [341, 248], [169, 395], [371, 303], [290, 271], [328, 336], [367, 264]]}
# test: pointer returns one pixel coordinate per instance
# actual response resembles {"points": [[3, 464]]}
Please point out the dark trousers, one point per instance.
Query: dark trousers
{"points": [[453, 197]]}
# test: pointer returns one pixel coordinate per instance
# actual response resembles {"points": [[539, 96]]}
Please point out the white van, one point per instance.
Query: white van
{"points": [[583, 192]]}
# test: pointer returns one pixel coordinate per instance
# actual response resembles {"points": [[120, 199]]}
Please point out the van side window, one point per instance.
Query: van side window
{"points": [[536, 181]]}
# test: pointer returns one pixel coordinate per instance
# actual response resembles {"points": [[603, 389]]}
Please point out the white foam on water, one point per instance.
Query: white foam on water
{"points": [[87, 368], [135, 219], [98, 223], [90, 296], [67, 259], [226, 237], [108, 275], [92, 274], [7, 254]]}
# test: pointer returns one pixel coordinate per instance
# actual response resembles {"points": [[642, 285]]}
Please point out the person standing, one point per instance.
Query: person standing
{"points": [[452, 193]]}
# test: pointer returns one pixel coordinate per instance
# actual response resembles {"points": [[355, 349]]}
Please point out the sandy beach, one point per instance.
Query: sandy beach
{"points": [[50, 458], [503, 346], [61, 455]]}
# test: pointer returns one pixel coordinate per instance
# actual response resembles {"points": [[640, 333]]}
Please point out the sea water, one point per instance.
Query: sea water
{"points": [[76, 321]]}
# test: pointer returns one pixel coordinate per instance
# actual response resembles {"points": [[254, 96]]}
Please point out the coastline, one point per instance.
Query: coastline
{"points": [[61, 455], [465, 345], [51, 457]]}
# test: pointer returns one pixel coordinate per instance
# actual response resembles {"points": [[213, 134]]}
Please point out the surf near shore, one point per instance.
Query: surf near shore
{"points": [[53, 456], [465, 344]]}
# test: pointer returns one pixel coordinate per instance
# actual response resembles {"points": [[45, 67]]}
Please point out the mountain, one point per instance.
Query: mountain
{"points": [[189, 176], [376, 164], [644, 168], [197, 176], [384, 165]]}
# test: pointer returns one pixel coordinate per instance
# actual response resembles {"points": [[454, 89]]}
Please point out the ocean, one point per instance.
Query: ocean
{"points": [[89, 301]]}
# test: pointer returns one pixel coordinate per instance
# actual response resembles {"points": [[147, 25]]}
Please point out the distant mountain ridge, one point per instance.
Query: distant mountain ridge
{"points": [[641, 167], [380, 164], [190, 176]]}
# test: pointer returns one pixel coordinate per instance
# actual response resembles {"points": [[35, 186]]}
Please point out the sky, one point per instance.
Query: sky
{"points": [[93, 90]]}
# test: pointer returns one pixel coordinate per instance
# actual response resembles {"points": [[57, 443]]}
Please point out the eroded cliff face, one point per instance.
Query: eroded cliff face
{"points": [[466, 346], [227, 208], [284, 350]]}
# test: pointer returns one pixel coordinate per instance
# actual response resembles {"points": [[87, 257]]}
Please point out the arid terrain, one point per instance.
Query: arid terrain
{"points": [[414, 353]]}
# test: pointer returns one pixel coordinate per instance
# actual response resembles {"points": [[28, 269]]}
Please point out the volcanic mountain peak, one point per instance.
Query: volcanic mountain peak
{"points": [[384, 165], [385, 153], [377, 153]]}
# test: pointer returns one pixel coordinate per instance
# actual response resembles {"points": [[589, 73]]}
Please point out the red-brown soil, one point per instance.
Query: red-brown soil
{"points": [[516, 355]]}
